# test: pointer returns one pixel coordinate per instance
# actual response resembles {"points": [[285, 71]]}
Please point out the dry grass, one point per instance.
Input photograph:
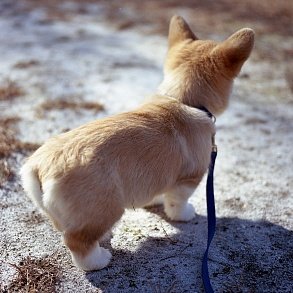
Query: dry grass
{"points": [[10, 90], [269, 18], [35, 275], [5, 172], [65, 104], [273, 15], [8, 142], [289, 77], [26, 64], [7, 133], [267, 15]]}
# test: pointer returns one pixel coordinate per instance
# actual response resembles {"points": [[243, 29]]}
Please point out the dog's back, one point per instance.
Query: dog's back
{"points": [[143, 152]]}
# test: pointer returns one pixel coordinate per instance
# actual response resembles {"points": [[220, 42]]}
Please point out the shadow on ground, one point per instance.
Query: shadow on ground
{"points": [[246, 256]]}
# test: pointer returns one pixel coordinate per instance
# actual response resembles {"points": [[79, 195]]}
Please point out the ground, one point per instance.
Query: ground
{"points": [[64, 63]]}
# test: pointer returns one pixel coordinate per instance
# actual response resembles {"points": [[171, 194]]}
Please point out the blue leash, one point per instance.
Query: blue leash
{"points": [[211, 219]]}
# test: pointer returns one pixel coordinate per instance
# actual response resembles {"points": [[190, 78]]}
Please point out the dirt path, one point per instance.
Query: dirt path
{"points": [[65, 64]]}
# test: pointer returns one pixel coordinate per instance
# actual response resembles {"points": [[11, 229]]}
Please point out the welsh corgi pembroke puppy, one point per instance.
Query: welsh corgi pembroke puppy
{"points": [[84, 179]]}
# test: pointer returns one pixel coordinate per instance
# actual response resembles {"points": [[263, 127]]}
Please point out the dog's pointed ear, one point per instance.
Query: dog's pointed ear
{"points": [[237, 48], [179, 31]]}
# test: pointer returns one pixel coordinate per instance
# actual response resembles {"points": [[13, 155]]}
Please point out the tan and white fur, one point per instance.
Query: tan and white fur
{"points": [[84, 179]]}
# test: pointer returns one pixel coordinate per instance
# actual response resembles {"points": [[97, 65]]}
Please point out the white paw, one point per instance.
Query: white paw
{"points": [[184, 214], [97, 259], [188, 213]]}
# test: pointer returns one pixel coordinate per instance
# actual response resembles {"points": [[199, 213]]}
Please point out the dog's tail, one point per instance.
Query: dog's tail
{"points": [[31, 184]]}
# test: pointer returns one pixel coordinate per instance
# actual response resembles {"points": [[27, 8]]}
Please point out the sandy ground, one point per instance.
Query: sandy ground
{"points": [[66, 64]]}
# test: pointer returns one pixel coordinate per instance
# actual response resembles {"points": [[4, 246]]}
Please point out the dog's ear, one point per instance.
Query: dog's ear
{"points": [[237, 48], [179, 31]]}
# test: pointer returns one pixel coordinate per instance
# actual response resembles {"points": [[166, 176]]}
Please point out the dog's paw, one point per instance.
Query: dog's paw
{"points": [[103, 259], [96, 259], [183, 214], [188, 213]]}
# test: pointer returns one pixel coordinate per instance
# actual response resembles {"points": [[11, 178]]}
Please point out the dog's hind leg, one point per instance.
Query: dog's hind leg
{"points": [[86, 251], [84, 217], [176, 204], [84, 242]]}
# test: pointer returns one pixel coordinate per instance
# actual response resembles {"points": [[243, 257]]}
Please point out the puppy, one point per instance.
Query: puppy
{"points": [[84, 179]]}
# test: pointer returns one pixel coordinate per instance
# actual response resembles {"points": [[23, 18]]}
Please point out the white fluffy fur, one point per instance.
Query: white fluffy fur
{"points": [[31, 185], [176, 206], [96, 259]]}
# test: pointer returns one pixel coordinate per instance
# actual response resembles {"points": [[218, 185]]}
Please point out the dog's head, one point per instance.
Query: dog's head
{"points": [[201, 72]]}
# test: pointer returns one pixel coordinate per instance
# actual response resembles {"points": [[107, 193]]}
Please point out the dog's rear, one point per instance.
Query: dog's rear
{"points": [[35, 188]]}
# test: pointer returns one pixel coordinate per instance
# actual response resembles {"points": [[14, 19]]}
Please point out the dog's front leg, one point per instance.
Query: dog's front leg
{"points": [[176, 203]]}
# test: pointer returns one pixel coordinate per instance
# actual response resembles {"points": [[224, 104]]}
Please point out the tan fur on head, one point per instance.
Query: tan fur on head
{"points": [[84, 179], [200, 72]]}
